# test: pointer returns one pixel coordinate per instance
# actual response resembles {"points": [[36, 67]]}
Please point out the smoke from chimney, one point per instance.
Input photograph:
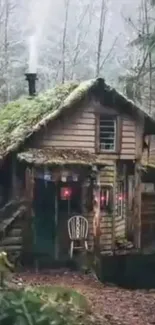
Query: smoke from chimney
{"points": [[31, 78]]}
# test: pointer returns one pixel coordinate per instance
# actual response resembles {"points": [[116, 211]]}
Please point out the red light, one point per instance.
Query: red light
{"points": [[102, 198], [120, 198], [65, 193]]}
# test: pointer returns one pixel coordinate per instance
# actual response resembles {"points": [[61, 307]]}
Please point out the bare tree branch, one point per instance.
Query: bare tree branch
{"points": [[79, 38], [109, 52], [67, 3]]}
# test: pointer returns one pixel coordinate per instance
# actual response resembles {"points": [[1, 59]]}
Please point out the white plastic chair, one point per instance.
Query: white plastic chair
{"points": [[78, 231]]}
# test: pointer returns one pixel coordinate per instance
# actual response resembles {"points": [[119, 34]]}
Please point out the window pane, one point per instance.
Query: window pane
{"points": [[107, 133]]}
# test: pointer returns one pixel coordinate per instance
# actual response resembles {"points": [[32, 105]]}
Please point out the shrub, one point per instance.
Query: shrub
{"points": [[32, 307]]}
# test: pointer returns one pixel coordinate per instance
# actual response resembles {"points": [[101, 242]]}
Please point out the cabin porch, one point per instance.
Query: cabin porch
{"points": [[59, 185]]}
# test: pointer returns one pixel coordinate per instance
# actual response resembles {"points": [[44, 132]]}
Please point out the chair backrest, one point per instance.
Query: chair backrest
{"points": [[78, 227]]}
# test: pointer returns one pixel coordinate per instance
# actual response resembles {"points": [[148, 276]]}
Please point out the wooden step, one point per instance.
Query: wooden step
{"points": [[10, 249], [15, 232], [11, 241]]}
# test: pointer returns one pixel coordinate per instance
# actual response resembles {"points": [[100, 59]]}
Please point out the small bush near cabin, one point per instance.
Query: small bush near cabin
{"points": [[41, 307]]}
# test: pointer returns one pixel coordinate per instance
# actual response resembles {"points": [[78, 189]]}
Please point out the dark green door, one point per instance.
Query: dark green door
{"points": [[44, 218]]}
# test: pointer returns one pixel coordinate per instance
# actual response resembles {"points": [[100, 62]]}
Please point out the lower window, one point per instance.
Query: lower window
{"points": [[106, 198], [120, 199]]}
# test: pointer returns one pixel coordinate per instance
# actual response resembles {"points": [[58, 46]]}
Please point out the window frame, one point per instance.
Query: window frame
{"points": [[118, 132], [109, 208]]}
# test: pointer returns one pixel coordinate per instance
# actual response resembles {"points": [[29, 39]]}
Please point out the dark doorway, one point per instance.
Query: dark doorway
{"points": [[44, 219], [54, 204], [69, 204]]}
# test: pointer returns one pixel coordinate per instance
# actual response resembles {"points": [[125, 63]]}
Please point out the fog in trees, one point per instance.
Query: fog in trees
{"points": [[65, 40]]}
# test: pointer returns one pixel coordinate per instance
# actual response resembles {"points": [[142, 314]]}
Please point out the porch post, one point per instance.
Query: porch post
{"points": [[14, 178], [56, 224], [96, 212], [28, 234], [137, 205], [114, 210]]}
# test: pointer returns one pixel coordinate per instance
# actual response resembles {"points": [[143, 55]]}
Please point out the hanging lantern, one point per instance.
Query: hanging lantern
{"points": [[75, 177], [47, 176], [64, 176]]}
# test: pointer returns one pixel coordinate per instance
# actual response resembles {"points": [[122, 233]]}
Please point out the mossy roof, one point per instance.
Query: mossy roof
{"points": [[21, 118], [54, 156]]}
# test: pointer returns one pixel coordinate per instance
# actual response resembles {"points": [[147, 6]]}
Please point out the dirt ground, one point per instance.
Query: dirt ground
{"points": [[117, 305]]}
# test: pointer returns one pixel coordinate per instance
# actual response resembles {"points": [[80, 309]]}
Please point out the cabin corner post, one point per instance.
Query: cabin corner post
{"points": [[96, 209], [137, 205], [29, 227], [14, 177], [114, 209], [137, 183]]}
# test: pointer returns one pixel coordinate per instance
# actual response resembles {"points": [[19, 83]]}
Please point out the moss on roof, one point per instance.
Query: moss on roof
{"points": [[54, 156], [18, 118], [21, 118]]}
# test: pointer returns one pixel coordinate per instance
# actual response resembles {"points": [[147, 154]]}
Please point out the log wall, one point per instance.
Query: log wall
{"points": [[128, 146], [78, 131], [75, 131]]}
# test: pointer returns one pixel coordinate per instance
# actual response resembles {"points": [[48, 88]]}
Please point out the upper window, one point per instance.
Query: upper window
{"points": [[107, 133]]}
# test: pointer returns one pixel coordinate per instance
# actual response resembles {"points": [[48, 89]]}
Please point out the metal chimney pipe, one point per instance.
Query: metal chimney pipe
{"points": [[31, 78]]}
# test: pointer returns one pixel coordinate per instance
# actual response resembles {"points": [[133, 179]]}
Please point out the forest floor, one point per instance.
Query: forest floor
{"points": [[115, 305]]}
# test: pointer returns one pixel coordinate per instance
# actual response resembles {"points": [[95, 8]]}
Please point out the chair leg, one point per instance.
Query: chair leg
{"points": [[86, 245], [71, 249]]}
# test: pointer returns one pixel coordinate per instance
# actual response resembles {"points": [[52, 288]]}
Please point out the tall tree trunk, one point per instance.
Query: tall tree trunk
{"points": [[100, 36], [67, 3], [6, 50]]}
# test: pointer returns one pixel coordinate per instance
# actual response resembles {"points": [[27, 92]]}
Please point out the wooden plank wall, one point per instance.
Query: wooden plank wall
{"points": [[148, 219], [128, 146], [106, 178], [76, 131], [139, 137], [151, 158], [120, 223]]}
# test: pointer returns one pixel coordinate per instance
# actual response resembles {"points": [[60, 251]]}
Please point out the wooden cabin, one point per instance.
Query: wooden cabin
{"points": [[77, 149], [148, 195]]}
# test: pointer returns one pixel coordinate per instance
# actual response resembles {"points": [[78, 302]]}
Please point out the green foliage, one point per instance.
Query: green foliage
{"points": [[58, 293], [5, 268], [32, 307]]}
